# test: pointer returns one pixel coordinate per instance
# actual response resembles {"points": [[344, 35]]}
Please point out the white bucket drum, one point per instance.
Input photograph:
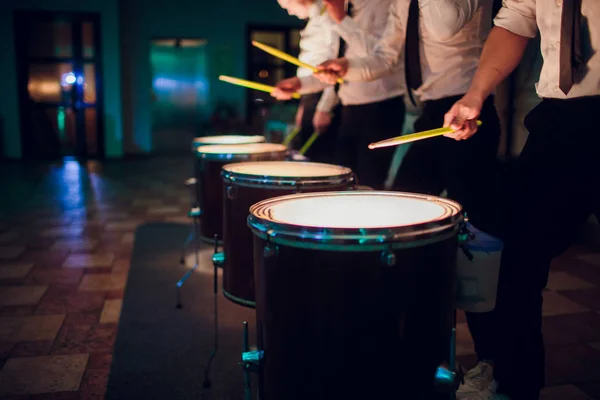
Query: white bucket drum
{"points": [[478, 278]]}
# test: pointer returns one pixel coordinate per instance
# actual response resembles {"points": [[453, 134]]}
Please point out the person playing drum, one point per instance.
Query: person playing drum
{"points": [[442, 43], [371, 111], [318, 110], [557, 171]]}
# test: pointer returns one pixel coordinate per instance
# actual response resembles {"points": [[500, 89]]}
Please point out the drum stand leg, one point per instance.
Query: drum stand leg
{"points": [[251, 362], [448, 378], [190, 183], [217, 262], [195, 214], [452, 360]]}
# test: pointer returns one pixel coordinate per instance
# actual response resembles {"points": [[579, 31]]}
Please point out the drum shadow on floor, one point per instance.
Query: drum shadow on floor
{"points": [[160, 351]]}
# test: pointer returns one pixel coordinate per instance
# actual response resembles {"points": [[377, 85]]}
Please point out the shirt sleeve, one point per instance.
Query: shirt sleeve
{"points": [[328, 100], [311, 84], [360, 40], [518, 17], [386, 51], [445, 18]]}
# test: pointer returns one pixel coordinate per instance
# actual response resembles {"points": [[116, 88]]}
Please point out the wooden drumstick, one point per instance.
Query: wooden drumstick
{"points": [[286, 57], [251, 85], [288, 139], [412, 137], [309, 143]]}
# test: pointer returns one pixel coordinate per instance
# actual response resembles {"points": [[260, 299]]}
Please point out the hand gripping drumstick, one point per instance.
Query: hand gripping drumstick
{"points": [[412, 137], [251, 85], [286, 57]]}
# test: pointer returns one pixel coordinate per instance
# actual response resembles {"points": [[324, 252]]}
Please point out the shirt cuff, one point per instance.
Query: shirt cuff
{"points": [[516, 22], [355, 70], [310, 84]]}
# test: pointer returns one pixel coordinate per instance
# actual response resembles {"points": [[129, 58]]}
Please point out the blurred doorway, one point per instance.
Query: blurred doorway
{"points": [[264, 68], [179, 93], [58, 67]]}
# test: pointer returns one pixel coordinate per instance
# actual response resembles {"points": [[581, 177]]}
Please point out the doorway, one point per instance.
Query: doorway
{"points": [[267, 69], [58, 72], [180, 100]]}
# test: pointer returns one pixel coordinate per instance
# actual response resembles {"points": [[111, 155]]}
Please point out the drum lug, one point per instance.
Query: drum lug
{"points": [[270, 251], [230, 192], [388, 258], [464, 235]]}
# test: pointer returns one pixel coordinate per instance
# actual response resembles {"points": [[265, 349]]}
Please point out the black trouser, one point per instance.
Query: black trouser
{"points": [[556, 191], [323, 149], [362, 125], [467, 171], [466, 168]]}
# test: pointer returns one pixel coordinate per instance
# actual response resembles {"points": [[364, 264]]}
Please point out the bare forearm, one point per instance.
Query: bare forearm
{"points": [[501, 54]]}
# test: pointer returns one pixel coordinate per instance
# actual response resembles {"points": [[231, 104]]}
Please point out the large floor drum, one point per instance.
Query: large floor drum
{"points": [[210, 160], [247, 183], [354, 294]]}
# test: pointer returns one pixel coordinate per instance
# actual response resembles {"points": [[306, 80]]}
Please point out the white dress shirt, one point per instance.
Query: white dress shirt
{"points": [[451, 38], [525, 17], [360, 34], [318, 43]]}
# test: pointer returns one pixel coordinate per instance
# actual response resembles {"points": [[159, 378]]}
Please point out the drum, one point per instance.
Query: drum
{"points": [[210, 185], [250, 182], [226, 139], [354, 294]]}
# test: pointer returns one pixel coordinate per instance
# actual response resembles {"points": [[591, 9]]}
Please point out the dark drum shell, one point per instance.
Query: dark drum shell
{"points": [[338, 322], [209, 187], [242, 191]]}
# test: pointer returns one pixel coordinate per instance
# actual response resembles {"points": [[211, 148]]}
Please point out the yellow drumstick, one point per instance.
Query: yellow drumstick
{"points": [[412, 137], [286, 57], [251, 85], [288, 139], [309, 143]]}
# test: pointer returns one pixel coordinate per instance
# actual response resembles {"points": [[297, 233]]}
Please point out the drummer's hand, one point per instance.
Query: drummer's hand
{"points": [[462, 117], [331, 70], [336, 9], [321, 121], [286, 88]]}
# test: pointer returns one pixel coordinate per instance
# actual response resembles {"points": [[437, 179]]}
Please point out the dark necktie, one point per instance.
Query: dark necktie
{"points": [[412, 67], [570, 43], [343, 45]]}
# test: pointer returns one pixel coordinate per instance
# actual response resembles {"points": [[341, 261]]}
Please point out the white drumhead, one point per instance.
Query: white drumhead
{"points": [[230, 139], [253, 148], [356, 211], [287, 169]]}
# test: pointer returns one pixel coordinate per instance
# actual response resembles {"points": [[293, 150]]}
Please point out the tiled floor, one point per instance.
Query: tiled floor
{"points": [[66, 235]]}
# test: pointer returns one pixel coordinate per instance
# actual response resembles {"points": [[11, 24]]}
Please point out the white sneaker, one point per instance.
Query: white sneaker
{"points": [[478, 383], [487, 393], [492, 395]]}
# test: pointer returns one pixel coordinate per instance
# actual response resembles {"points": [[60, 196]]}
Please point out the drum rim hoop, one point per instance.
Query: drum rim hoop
{"points": [[258, 181], [197, 140], [240, 156], [377, 237]]}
